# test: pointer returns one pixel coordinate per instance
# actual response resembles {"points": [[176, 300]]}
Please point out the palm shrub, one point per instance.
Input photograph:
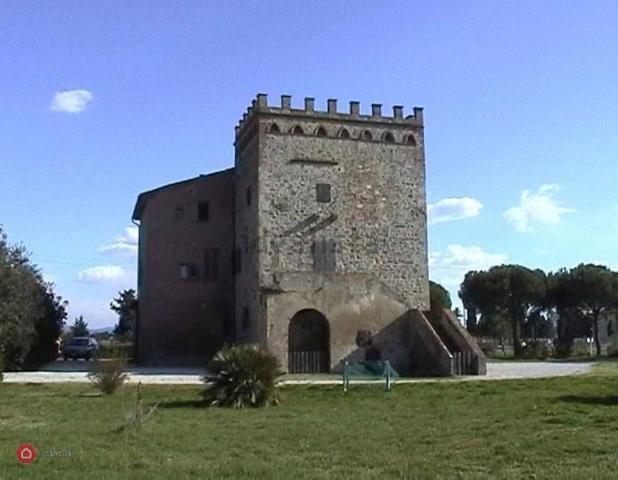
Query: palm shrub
{"points": [[242, 376], [109, 374]]}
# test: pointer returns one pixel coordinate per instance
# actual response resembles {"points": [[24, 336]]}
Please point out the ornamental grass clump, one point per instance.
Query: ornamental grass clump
{"points": [[242, 376], [109, 374]]}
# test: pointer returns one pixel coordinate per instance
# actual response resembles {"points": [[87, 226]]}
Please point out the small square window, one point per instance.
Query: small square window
{"points": [[188, 271], [180, 213], [203, 212], [322, 191]]}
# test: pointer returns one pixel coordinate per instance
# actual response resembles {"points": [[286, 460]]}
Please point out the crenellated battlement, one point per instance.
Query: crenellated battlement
{"points": [[260, 106]]}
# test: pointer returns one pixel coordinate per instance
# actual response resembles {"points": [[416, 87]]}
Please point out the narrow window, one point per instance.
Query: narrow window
{"points": [[322, 191], [211, 264], [188, 271], [388, 137], [180, 213], [248, 195], [344, 133], [245, 318], [203, 212], [324, 260], [366, 135], [298, 130], [320, 132], [410, 140], [274, 128]]}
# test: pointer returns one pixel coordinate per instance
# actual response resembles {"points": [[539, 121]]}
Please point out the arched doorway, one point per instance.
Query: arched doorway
{"points": [[308, 343]]}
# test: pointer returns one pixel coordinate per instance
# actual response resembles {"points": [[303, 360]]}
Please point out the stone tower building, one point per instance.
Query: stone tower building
{"points": [[329, 243]]}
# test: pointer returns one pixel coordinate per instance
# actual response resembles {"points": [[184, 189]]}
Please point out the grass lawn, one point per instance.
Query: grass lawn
{"points": [[556, 428]]}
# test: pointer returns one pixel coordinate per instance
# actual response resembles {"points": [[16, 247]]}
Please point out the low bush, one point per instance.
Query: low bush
{"points": [[109, 349], [581, 348], [563, 349], [109, 374], [242, 376], [612, 350], [539, 349]]}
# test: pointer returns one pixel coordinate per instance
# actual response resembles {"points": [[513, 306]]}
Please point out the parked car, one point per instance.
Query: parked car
{"points": [[80, 347]]}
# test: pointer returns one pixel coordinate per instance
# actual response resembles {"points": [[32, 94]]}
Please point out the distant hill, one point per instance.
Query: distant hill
{"points": [[101, 330], [67, 328]]}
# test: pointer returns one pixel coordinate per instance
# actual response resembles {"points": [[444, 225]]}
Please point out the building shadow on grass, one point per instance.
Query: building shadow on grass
{"points": [[183, 404], [610, 400]]}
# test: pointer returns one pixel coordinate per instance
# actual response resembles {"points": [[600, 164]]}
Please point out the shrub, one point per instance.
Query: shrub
{"points": [[109, 374], [109, 349], [612, 350], [540, 349], [242, 376], [564, 349], [581, 348]]}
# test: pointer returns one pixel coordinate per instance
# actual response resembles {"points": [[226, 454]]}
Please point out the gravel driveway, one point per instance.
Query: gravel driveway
{"points": [[77, 371]]}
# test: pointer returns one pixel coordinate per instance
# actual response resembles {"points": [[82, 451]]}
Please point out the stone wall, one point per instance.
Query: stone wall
{"points": [[250, 327], [376, 216], [350, 302], [377, 212]]}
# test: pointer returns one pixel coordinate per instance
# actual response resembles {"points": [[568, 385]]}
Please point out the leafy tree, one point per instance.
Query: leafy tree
{"points": [[560, 298], [471, 294], [513, 292], [538, 325], [80, 327], [439, 299], [493, 325], [593, 290], [125, 305], [31, 315], [439, 295], [48, 329]]}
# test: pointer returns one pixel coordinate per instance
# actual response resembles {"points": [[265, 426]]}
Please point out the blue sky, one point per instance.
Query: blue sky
{"points": [[520, 98]]}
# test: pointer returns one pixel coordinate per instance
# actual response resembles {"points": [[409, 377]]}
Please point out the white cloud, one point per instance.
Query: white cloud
{"points": [[454, 208], [449, 267], [71, 101], [539, 208], [103, 274], [125, 245]]}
